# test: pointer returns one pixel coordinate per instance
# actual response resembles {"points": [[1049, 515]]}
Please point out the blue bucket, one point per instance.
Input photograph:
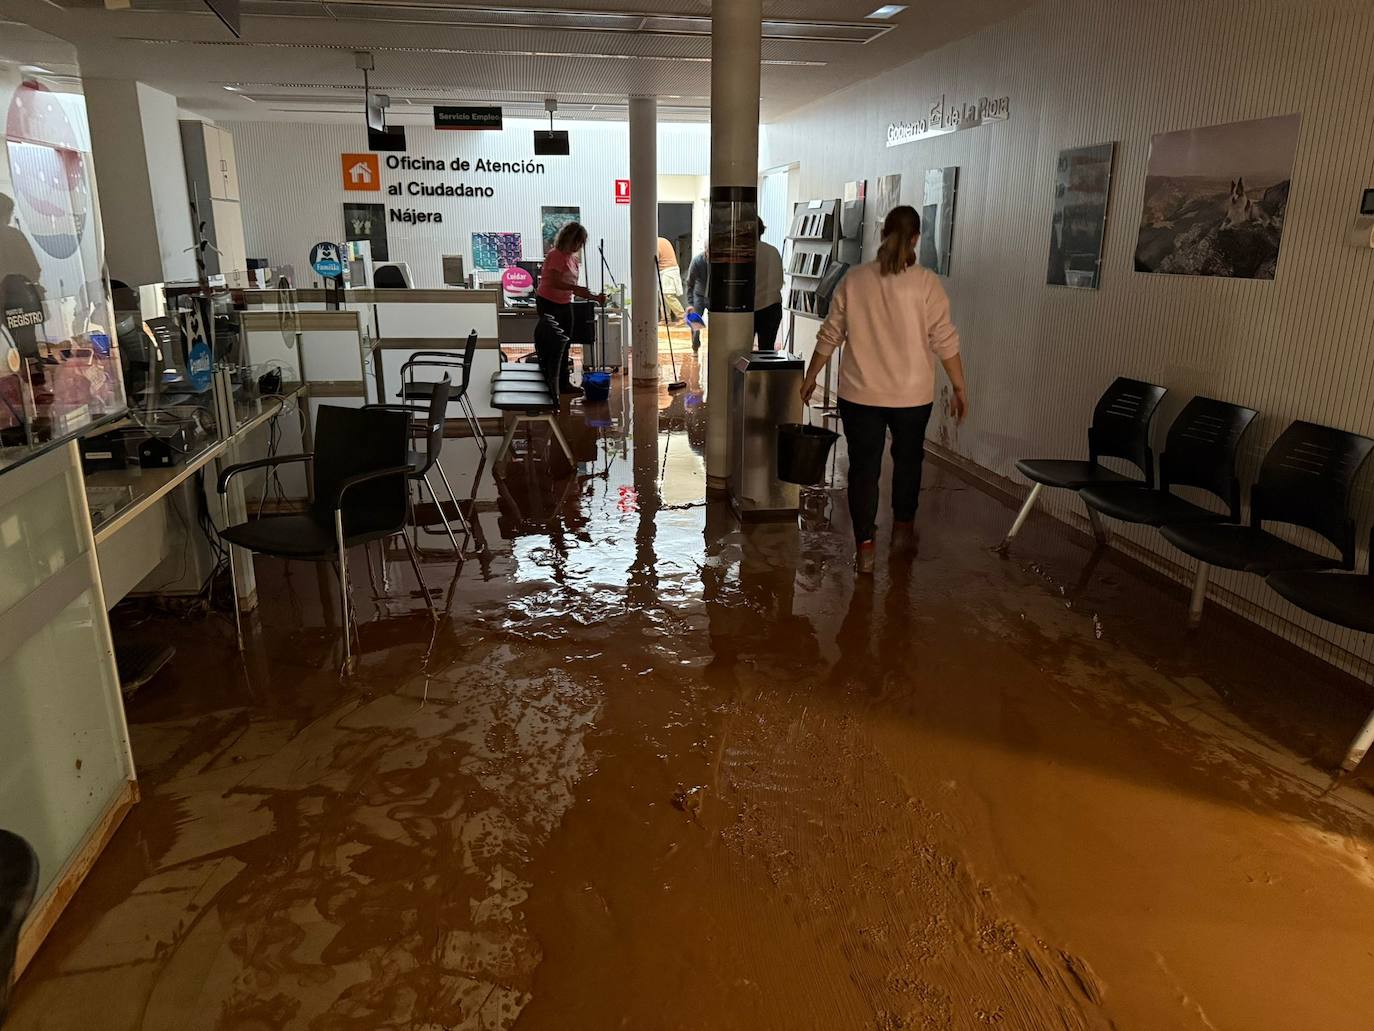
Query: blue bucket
{"points": [[596, 386]]}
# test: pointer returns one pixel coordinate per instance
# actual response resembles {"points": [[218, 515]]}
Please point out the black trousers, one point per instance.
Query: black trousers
{"points": [[767, 322], [563, 315], [865, 432]]}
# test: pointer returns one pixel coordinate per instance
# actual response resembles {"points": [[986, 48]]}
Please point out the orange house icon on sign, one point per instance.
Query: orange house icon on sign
{"points": [[361, 172]]}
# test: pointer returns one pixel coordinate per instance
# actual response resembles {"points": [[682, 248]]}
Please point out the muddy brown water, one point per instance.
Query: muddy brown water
{"points": [[657, 771]]}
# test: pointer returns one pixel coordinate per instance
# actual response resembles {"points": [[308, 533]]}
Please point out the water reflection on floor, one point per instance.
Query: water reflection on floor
{"points": [[658, 770]]}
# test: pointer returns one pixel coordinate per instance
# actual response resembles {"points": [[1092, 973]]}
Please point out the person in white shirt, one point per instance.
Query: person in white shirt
{"points": [[767, 293], [893, 317]]}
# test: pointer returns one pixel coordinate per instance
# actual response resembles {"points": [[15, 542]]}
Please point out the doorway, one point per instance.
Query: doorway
{"points": [[675, 226]]}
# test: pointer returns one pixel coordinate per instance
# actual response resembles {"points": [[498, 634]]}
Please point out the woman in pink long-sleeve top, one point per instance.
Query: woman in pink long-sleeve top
{"points": [[892, 315]]}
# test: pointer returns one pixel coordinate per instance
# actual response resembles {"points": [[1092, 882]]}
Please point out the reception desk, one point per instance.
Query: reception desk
{"points": [[392, 325]]}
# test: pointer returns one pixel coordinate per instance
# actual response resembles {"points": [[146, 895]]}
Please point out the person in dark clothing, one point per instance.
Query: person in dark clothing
{"points": [[698, 281]]}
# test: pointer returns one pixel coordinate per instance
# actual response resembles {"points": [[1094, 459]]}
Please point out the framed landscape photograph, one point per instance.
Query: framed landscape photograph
{"points": [[1082, 183], [1216, 199]]}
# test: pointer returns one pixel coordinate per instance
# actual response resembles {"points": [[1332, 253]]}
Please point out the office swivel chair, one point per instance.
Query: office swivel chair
{"points": [[360, 469]]}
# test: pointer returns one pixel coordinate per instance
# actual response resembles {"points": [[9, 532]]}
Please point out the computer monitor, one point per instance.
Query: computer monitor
{"points": [[454, 272], [392, 275], [534, 268]]}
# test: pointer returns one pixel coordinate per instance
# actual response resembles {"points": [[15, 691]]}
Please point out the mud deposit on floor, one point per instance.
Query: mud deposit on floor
{"points": [[656, 771]]}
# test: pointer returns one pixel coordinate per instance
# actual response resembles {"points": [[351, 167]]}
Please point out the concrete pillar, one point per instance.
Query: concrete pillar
{"points": [[736, 31], [644, 239]]}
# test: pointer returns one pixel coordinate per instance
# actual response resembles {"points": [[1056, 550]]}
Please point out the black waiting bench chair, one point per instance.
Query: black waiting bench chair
{"points": [[1304, 481], [525, 392], [1120, 429], [1346, 599], [1200, 451]]}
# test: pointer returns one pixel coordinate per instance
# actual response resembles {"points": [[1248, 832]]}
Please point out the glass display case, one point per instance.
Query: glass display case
{"points": [[59, 357]]}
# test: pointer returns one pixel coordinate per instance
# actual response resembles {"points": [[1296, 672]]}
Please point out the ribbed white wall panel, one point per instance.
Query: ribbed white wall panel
{"points": [[1081, 72], [292, 191]]}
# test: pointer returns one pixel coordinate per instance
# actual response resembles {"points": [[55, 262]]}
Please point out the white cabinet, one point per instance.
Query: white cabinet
{"points": [[212, 149], [212, 178], [230, 167], [213, 162], [233, 254]]}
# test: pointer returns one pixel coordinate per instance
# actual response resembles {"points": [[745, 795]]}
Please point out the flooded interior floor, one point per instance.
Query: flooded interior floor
{"points": [[654, 770]]}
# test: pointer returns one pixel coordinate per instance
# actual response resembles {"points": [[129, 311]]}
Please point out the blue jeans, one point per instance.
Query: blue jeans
{"points": [[865, 432]]}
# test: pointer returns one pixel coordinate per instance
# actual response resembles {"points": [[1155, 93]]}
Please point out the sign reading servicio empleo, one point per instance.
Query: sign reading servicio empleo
{"points": [[466, 118]]}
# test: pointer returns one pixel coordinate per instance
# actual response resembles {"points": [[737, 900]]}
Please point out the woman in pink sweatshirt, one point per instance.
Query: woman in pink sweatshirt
{"points": [[892, 315]]}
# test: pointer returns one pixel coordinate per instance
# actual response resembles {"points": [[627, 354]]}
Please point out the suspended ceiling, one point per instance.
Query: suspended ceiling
{"points": [[295, 60]]}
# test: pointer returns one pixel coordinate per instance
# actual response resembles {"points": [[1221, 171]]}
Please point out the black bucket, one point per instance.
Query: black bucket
{"points": [[803, 452]]}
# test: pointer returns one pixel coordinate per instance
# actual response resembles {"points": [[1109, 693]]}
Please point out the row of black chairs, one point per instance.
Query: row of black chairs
{"points": [[1305, 480]]}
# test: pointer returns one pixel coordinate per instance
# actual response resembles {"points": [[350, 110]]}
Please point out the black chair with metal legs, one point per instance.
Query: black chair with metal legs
{"points": [[461, 365], [1346, 599], [1304, 481], [1200, 451], [1120, 429], [427, 460], [361, 494]]}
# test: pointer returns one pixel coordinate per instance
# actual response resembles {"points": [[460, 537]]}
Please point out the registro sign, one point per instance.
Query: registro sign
{"points": [[945, 117]]}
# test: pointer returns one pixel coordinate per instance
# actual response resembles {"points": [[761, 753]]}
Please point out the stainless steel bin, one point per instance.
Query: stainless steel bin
{"points": [[765, 392]]}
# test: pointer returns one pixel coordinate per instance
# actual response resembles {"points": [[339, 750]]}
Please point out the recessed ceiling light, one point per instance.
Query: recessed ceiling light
{"points": [[232, 89], [887, 11]]}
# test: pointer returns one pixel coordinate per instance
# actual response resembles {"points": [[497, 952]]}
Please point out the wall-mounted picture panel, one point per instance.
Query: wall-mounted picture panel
{"points": [[492, 251], [1216, 199], [552, 219], [852, 213], [367, 222], [1082, 182], [937, 218], [886, 196]]}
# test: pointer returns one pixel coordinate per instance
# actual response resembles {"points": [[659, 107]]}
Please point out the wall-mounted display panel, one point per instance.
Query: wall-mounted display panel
{"points": [[937, 218], [1082, 184], [1216, 199]]}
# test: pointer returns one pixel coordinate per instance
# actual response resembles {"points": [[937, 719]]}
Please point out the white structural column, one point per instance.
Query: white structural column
{"points": [[736, 31], [644, 238]]}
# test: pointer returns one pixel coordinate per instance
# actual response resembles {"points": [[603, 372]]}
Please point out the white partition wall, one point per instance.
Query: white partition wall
{"points": [[66, 772]]}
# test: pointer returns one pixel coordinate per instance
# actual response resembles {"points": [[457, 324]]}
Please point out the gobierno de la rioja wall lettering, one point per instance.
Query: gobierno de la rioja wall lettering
{"points": [[944, 117]]}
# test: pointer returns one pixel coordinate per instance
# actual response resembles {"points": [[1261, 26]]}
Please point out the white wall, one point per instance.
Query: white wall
{"points": [[290, 181], [143, 197], [132, 252], [167, 181], [1082, 72]]}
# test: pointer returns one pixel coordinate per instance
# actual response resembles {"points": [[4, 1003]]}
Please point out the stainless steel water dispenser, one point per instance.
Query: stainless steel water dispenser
{"points": [[765, 392]]}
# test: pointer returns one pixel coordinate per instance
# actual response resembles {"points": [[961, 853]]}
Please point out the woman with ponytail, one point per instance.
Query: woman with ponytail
{"points": [[892, 315]]}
